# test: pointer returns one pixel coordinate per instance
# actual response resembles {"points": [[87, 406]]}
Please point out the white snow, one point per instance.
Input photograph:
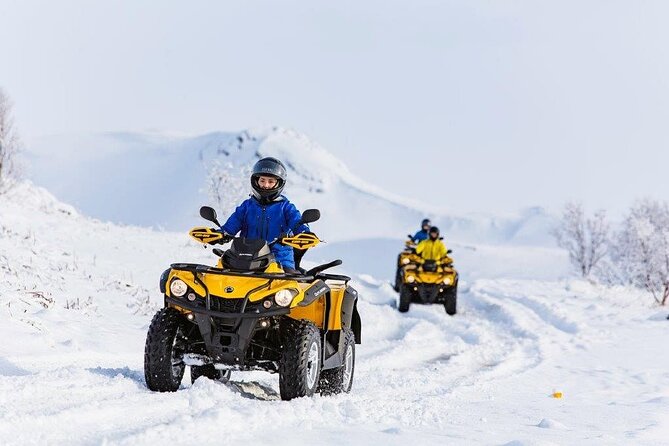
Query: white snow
{"points": [[524, 331]]}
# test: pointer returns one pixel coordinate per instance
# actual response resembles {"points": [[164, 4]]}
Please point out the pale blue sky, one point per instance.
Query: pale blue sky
{"points": [[488, 105]]}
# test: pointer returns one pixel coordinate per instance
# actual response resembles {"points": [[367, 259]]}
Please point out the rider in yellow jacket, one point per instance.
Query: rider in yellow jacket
{"points": [[432, 248]]}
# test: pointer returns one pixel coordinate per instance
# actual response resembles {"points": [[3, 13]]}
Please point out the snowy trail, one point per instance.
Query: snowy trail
{"points": [[415, 377], [411, 371]]}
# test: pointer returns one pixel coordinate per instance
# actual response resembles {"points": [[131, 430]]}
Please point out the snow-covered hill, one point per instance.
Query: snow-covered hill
{"points": [[158, 180], [76, 297]]}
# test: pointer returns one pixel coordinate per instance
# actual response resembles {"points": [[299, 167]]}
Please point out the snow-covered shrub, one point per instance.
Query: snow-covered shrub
{"points": [[9, 143], [87, 305], [584, 238], [143, 305], [641, 249]]}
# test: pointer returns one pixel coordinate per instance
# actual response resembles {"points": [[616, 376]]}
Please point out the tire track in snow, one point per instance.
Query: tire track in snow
{"points": [[409, 373]]}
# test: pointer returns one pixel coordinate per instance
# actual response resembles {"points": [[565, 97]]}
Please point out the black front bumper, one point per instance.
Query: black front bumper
{"points": [[228, 326], [430, 293]]}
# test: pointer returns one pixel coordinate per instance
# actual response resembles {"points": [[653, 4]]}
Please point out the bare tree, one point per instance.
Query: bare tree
{"points": [[228, 186], [9, 143], [585, 239], [641, 252]]}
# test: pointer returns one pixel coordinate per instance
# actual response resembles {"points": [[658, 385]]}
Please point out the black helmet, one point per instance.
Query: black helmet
{"points": [[270, 167], [425, 222], [434, 230]]}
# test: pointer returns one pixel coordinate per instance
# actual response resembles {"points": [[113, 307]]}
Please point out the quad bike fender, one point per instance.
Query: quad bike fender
{"points": [[188, 277], [350, 318], [163, 280]]}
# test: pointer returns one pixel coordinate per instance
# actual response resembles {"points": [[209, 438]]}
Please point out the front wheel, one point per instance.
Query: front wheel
{"points": [[163, 352], [340, 379], [300, 364], [451, 303], [405, 298], [398, 279]]}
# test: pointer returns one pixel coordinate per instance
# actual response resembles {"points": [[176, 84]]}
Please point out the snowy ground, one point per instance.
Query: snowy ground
{"points": [[75, 375]]}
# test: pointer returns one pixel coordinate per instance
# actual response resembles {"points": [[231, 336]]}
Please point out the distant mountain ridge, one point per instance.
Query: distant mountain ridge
{"points": [[161, 181]]}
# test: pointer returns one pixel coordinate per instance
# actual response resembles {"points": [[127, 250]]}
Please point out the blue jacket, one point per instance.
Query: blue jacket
{"points": [[267, 222], [420, 236]]}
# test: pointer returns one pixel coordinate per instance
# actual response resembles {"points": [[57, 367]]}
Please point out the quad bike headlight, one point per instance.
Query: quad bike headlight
{"points": [[405, 261], [178, 288], [283, 298], [411, 279], [447, 281]]}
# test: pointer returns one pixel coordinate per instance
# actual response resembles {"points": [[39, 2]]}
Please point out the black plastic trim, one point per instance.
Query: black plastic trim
{"points": [[204, 269], [315, 291], [197, 309], [163, 280]]}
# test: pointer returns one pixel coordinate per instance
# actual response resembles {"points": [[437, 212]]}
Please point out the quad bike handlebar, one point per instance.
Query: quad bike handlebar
{"points": [[301, 241], [417, 260], [213, 236]]}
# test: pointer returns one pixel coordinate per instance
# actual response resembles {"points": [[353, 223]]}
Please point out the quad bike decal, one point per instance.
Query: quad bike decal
{"points": [[301, 241], [205, 235]]}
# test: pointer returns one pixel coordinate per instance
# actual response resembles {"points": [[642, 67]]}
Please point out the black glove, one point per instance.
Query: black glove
{"points": [[225, 239]]}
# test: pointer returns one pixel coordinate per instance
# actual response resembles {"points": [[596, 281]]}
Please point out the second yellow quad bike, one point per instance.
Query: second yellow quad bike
{"points": [[246, 313], [426, 281]]}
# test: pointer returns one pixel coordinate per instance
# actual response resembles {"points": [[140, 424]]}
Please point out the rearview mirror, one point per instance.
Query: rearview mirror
{"points": [[209, 214], [310, 216]]}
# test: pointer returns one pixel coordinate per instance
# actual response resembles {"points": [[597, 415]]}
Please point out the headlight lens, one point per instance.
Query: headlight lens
{"points": [[405, 261], [283, 298], [447, 281], [178, 288], [411, 279]]}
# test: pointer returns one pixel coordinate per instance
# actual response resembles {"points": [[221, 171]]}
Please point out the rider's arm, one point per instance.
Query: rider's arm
{"points": [[443, 252], [234, 223], [420, 248], [293, 217]]}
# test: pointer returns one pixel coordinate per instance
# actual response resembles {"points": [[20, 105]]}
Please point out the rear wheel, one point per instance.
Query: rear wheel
{"points": [[451, 301], [163, 352], [300, 364], [340, 379], [209, 371], [405, 298]]}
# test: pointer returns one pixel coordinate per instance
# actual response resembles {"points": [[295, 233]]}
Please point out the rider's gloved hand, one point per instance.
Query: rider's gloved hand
{"points": [[226, 237]]}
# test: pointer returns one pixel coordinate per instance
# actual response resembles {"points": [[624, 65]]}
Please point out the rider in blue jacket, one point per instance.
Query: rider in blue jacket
{"points": [[423, 234], [267, 214]]}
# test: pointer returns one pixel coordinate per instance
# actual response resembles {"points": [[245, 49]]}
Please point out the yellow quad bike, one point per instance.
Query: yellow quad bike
{"points": [[246, 313], [428, 282]]}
